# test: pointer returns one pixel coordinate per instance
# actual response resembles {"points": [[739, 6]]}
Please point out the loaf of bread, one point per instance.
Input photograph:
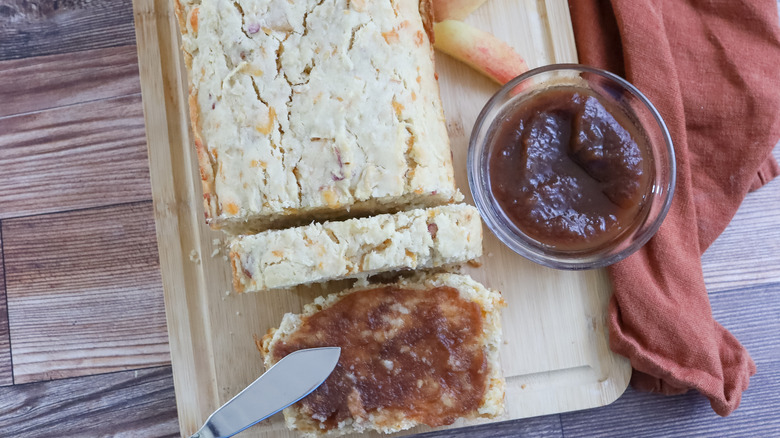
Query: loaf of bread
{"points": [[422, 238], [313, 109], [422, 351]]}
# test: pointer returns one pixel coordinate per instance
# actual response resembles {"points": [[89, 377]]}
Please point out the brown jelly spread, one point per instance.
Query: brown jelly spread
{"points": [[568, 168], [415, 353]]}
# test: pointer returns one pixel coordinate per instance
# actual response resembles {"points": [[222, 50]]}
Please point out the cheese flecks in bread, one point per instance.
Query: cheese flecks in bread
{"points": [[421, 351], [422, 238], [313, 109]]}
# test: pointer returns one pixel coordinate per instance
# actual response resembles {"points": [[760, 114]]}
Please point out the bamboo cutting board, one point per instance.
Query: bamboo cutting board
{"points": [[555, 356]]}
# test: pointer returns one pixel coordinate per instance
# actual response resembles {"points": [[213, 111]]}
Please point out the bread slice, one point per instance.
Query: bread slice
{"points": [[313, 109], [422, 238], [422, 351]]}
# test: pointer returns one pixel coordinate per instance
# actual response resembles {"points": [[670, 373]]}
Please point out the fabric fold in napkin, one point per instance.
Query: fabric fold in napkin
{"points": [[711, 69]]}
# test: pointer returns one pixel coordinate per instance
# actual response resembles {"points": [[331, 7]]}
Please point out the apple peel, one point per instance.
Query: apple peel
{"points": [[478, 49], [454, 9]]}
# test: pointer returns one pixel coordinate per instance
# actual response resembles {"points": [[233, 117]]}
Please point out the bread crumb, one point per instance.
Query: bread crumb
{"points": [[194, 257], [238, 313], [522, 386], [474, 263], [227, 293], [490, 254], [362, 280], [218, 246]]}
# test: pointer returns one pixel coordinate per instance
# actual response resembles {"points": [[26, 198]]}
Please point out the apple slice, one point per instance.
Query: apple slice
{"points": [[479, 49], [454, 9]]}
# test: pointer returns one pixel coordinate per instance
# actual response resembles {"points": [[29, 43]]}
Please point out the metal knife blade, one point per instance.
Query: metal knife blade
{"points": [[289, 380]]}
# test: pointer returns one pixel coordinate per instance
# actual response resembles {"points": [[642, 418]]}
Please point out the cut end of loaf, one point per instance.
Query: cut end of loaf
{"points": [[415, 239], [247, 224]]}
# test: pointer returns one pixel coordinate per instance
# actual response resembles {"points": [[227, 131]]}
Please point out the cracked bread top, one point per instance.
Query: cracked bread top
{"points": [[313, 109]]}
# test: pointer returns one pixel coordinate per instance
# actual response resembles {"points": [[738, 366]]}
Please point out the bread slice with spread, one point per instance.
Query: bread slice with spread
{"points": [[420, 351]]}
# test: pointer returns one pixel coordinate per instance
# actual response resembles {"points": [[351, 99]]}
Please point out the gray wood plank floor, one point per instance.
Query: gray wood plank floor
{"points": [[742, 270]]}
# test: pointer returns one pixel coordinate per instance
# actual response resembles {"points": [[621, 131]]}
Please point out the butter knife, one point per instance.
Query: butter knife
{"points": [[289, 380]]}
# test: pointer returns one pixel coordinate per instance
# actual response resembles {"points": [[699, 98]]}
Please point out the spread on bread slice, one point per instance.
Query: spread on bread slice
{"points": [[421, 351]]}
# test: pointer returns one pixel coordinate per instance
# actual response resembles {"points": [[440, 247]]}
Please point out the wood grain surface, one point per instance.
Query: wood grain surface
{"points": [[135, 403], [84, 293], [751, 253], [547, 426], [35, 84], [43, 27], [6, 375], [741, 268], [91, 153]]}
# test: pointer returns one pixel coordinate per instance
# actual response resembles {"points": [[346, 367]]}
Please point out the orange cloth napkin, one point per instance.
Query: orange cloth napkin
{"points": [[712, 68]]}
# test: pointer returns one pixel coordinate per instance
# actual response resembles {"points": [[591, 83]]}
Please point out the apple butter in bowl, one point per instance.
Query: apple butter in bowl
{"points": [[571, 167]]}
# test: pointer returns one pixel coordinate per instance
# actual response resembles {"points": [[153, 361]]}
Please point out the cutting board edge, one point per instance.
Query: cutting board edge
{"points": [[172, 214], [168, 220]]}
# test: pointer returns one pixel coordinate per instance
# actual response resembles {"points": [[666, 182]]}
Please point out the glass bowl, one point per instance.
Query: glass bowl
{"points": [[613, 90]]}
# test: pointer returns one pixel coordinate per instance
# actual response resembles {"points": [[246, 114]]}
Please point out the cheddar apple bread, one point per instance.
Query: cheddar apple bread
{"points": [[422, 351], [313, 109], [422, 238]]}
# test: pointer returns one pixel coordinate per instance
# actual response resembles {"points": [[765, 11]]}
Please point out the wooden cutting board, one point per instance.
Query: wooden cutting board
{"points": [[555, 356]]}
